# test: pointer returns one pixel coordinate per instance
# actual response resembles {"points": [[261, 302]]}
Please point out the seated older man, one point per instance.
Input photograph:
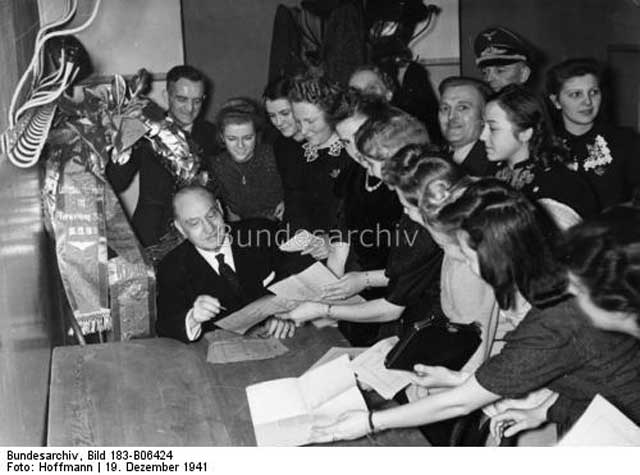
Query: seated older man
{"points": [[216, 271], [462, 101]]}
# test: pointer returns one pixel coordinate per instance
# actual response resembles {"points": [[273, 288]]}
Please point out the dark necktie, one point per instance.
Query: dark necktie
{"points": [[228, 274]]}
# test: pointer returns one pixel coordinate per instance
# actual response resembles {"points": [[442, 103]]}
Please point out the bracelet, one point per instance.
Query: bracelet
{"points": [[329, 310], [367, 281], [371, 428]]}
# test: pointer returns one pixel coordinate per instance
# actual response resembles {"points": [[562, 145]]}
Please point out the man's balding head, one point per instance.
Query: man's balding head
{"points": [[198, 216]]}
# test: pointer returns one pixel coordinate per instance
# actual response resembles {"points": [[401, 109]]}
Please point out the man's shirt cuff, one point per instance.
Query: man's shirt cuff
{"points": [[193, 328]]}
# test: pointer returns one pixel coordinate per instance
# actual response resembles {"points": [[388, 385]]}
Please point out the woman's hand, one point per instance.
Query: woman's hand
{"points": [[278, 328], [305, 311], [515, 415], [278, 212], [436, 376], [318, 248], [350, 284], [509, 423], [348, 426]]}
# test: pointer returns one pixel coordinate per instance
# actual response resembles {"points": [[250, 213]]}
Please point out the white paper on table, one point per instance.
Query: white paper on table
{"points": [[337, 351], [370, 369], [283, 410], [602, 424]]}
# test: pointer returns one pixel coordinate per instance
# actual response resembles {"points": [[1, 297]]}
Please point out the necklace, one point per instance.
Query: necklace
{"points": [[371, 188]]}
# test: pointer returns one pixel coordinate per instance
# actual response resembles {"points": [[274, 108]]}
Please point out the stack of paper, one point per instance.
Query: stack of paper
{"points": [[283, 411]]}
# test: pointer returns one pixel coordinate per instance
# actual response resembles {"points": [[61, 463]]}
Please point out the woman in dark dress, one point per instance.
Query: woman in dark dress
{"points": [[515, 135], [412, 275], [607, 156], [287, 147], [323, 158], [508, 241], [368, 213]]}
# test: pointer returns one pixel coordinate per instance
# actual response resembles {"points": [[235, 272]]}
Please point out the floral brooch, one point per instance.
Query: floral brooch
{"points": [[599, 156]]}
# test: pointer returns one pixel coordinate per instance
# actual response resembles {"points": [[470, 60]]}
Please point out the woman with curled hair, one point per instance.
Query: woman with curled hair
{"points": [[426, 181], [607, 156], [247, 172], [324, 157], [366, 211], [515, 135], [508, 241], [412, 273]]}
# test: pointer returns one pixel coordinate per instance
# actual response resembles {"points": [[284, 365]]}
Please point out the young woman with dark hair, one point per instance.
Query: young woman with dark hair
{"points": [[605, 155], [515, 134], [603, 260], [412, 270], [603, 257], [247, 172], [368, 213], [507, 240], [287, 147]]}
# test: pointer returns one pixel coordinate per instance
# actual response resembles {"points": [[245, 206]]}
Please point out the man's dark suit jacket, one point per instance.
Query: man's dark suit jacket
{"points": [[184, 274], [477, 163], [153, 214]]}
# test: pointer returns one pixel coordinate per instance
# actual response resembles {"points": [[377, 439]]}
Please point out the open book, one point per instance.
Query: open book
{"points": [[283, 411]]}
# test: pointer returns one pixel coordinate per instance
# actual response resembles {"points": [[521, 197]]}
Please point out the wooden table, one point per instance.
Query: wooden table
{"points": [[161, 392]]}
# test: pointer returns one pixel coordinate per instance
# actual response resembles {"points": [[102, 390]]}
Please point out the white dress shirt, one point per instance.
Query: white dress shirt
{"points": [[195, 328], [459, 154]]}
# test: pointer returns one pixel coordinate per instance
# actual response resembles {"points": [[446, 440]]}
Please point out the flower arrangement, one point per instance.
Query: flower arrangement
{"points": [[599, 156]]}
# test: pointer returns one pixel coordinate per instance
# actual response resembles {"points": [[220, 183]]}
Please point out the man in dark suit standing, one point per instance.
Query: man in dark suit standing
{"points": [[185, 94], [462, 102], [215, 272]]}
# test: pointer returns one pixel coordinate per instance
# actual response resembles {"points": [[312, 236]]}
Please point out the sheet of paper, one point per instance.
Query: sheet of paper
{"points": [[327, 381], [274, 400], [349, 400], [283, 410], [307, 286], [299, 242], [602, 424], [369, 367], [244, 349], [337, 351], [254, 313]]}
